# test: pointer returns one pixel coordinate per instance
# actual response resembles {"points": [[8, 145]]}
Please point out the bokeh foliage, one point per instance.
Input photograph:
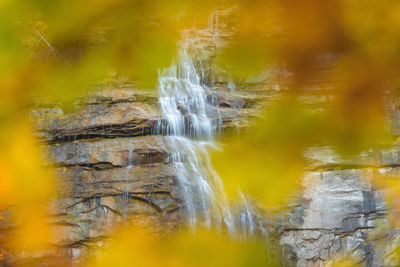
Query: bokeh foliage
{"points": [[345, 51], [55, 50], [203, 248]]}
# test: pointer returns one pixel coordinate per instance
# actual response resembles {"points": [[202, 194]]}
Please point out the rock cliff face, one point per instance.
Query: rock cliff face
{"points": [[342, 213], [340, 208], [111, 167]]}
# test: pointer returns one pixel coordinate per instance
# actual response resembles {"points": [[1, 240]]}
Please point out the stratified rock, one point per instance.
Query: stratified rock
{"points": [[81, 182], [103, 120], [341, 209], [109, 153], [326, 157]]}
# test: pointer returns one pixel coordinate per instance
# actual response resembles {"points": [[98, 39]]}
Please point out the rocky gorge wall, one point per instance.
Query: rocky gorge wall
{"points": [[112, 167], [342, 211]]}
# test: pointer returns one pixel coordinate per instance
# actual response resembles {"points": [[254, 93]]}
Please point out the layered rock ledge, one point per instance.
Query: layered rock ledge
{"points": [[112, 165]]}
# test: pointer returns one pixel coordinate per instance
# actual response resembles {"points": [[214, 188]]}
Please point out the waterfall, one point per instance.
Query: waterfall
{"points": [[188, 124], [190, 121], [126, 194], [246, 217]]}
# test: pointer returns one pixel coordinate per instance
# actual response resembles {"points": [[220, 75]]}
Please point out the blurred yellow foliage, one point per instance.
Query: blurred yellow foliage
{"points": [[139, 247], [390, 183], [57, 49], [26, 186], [347, 262], [316, 42]]}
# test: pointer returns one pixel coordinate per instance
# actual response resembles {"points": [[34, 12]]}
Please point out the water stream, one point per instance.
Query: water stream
{"points": [[128, 178], [190, 120]]}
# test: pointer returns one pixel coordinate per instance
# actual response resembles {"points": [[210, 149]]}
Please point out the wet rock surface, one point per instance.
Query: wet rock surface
{"points": [[108, 153], [101, 120], [111, 167]]}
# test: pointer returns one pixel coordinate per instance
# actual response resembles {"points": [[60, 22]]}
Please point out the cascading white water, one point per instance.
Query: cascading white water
{"points": [[246, 217], [125, 195], [190, 123], [189, 128]]}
